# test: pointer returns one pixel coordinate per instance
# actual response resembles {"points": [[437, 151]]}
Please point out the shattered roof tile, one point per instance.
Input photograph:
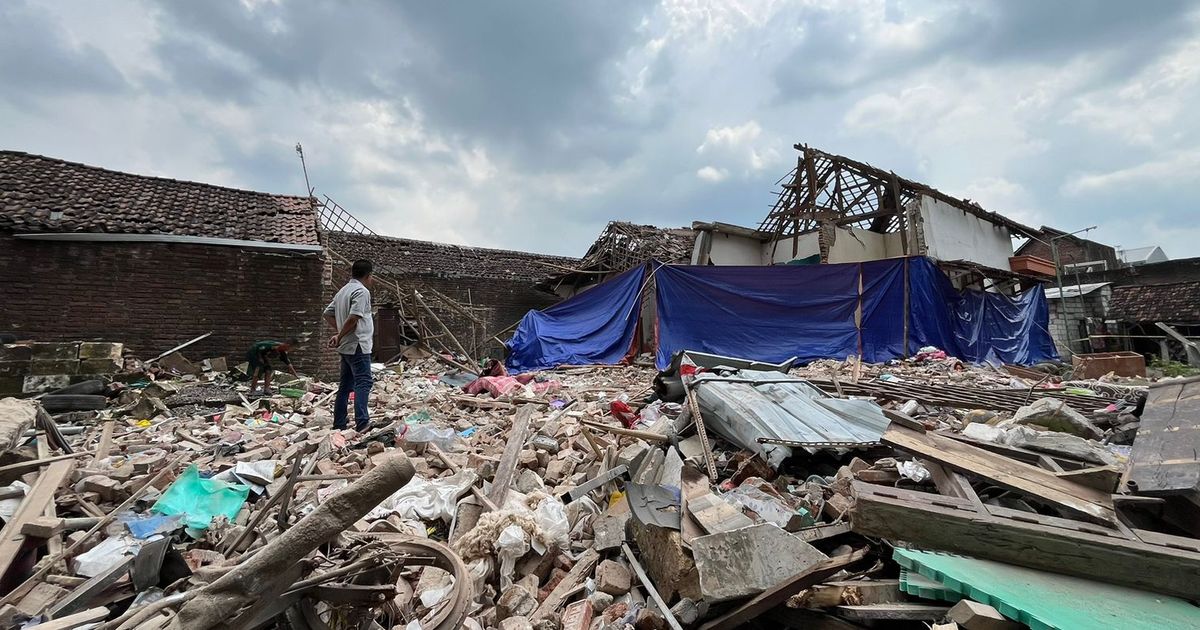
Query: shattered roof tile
{"points": [[34, 189], [402, 256], [1172, 302]]}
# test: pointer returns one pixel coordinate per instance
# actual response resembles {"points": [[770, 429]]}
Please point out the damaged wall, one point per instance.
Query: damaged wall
{"points": [[850, 245], [154, 296], [952, 234]]}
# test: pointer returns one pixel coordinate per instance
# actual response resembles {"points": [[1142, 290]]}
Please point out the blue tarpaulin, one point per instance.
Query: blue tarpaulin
{"points": [[761, 313], [594, 327], [783, 311], [773, 313], [981, 326]]}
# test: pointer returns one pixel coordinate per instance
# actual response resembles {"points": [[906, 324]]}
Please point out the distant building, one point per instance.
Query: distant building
{"points": [[1142, 255]]}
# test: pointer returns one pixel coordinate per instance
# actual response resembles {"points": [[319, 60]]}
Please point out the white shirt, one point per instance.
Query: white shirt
{"points": [[353, 299]]}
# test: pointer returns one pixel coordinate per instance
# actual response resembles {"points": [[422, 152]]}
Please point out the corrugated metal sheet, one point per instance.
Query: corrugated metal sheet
{"points": [[745, 405]]}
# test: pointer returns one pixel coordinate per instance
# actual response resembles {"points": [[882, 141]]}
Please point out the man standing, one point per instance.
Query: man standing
{"points": [[259, 357], [350, 316]]}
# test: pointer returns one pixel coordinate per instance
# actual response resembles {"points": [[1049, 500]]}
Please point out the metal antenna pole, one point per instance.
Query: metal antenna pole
{"points": [[304, 167]]}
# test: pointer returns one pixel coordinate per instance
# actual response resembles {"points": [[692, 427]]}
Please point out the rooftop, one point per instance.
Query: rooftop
{"points": [[1175, 302], [42, 194], [407, 256]]}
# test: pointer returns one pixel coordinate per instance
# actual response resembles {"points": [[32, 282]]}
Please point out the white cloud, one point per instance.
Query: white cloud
{"points": [[1180, 167], [730, 137], [712, 174]]}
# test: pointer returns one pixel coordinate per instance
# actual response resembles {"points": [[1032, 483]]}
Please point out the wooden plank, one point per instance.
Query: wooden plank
{"points": [[1165, 459], [1078, 500], [779, 593], [952, 525], [32, 506], [12, 471], [1102, 478], [821, 532], [896, 612], [663, 608], [82, 595], [106, 437], [47, 564], [507, 468], [89, 616]]}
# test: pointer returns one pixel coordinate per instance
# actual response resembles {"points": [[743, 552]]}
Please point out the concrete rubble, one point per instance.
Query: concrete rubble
{"points": [[182, 502]]}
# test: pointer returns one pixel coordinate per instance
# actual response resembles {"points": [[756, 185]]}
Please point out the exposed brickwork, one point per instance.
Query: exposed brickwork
{"points": [[498, 302], [152, 296], [1071, 249]]}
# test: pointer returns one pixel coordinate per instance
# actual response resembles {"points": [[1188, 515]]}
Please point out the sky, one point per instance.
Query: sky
{"points": [[529, 125]]}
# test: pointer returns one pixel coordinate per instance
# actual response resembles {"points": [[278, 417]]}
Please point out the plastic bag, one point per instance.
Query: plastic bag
{"points": [[442, 437], [510, 546], [551, 518], [914, 470], [426, 499], [200, 500], [770, 509]]}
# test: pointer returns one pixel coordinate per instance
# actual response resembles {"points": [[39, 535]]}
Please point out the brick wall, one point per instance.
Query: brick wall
{"points": [[498, 302], [1071, 251], [153, 296]]}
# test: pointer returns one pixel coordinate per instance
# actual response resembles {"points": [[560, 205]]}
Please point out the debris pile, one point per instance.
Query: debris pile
{"points": [[717, 493]]}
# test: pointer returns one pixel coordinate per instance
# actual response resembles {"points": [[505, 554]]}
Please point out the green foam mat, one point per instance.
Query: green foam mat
{"points": [[1049, 601]]}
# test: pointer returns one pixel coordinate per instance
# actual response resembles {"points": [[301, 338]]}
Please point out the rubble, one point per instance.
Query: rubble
{"points": [[183, 503]]}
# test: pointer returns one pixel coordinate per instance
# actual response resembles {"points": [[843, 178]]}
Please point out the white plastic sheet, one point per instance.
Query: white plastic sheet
{"points": [[425, 499], [510, 546]]}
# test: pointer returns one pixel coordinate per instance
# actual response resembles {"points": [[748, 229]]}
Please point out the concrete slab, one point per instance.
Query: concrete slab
{"points": [[747, 561]]}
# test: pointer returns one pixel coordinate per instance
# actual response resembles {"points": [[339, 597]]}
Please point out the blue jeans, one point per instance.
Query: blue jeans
{"points": [[356, 376]]}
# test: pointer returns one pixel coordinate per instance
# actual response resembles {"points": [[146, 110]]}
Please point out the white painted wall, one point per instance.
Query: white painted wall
{"points": [[730, 249], [951, 234], [851, 245], [783, 252]]}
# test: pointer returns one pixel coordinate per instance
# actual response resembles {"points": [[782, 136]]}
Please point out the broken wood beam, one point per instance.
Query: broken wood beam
{"points": [[507, 468], [1076, 499], [954, 525], [650, 589], [257, 575]]}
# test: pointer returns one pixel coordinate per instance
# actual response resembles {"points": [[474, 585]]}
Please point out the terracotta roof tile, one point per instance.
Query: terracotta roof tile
{"points": [[33, 189], [402, 256], [1174, 302]]}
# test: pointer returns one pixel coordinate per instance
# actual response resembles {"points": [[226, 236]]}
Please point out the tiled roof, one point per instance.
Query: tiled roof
{"points": [[34, 189], [1174, 302], [402, 256]]}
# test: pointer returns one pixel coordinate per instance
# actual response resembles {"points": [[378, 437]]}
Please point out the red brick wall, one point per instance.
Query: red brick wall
{"points": [[504, 302], [153, 296]]}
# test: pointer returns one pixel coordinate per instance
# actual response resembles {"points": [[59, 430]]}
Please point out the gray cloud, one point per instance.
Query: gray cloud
{"points": [[37, 59], [532, 78], [529, 125], [839, 51]]}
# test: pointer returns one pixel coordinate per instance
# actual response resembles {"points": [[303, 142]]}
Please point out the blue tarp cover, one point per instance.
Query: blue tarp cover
{"points": [[594, 327], [775, 313], [772, 313], [760, 313]]}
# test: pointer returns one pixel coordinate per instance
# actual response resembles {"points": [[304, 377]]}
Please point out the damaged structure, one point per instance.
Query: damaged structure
{"points": [[95, 254], [852, 416]]}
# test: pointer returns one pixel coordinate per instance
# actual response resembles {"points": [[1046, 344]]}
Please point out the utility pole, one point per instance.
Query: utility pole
{"points": [[1058, 278]]}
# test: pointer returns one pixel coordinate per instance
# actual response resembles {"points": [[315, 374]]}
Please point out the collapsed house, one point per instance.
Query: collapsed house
{"points": [[851, 260], [95, 254]]}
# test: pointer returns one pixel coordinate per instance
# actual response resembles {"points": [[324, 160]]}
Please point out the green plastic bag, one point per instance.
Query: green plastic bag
{"points": [[200, 500]]}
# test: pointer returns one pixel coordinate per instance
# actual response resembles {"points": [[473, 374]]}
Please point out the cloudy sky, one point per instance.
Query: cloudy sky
{"points": [[529, 124]]}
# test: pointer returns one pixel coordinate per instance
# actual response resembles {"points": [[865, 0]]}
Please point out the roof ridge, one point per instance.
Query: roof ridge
{"points": [[439, 244], [26, 154]]}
